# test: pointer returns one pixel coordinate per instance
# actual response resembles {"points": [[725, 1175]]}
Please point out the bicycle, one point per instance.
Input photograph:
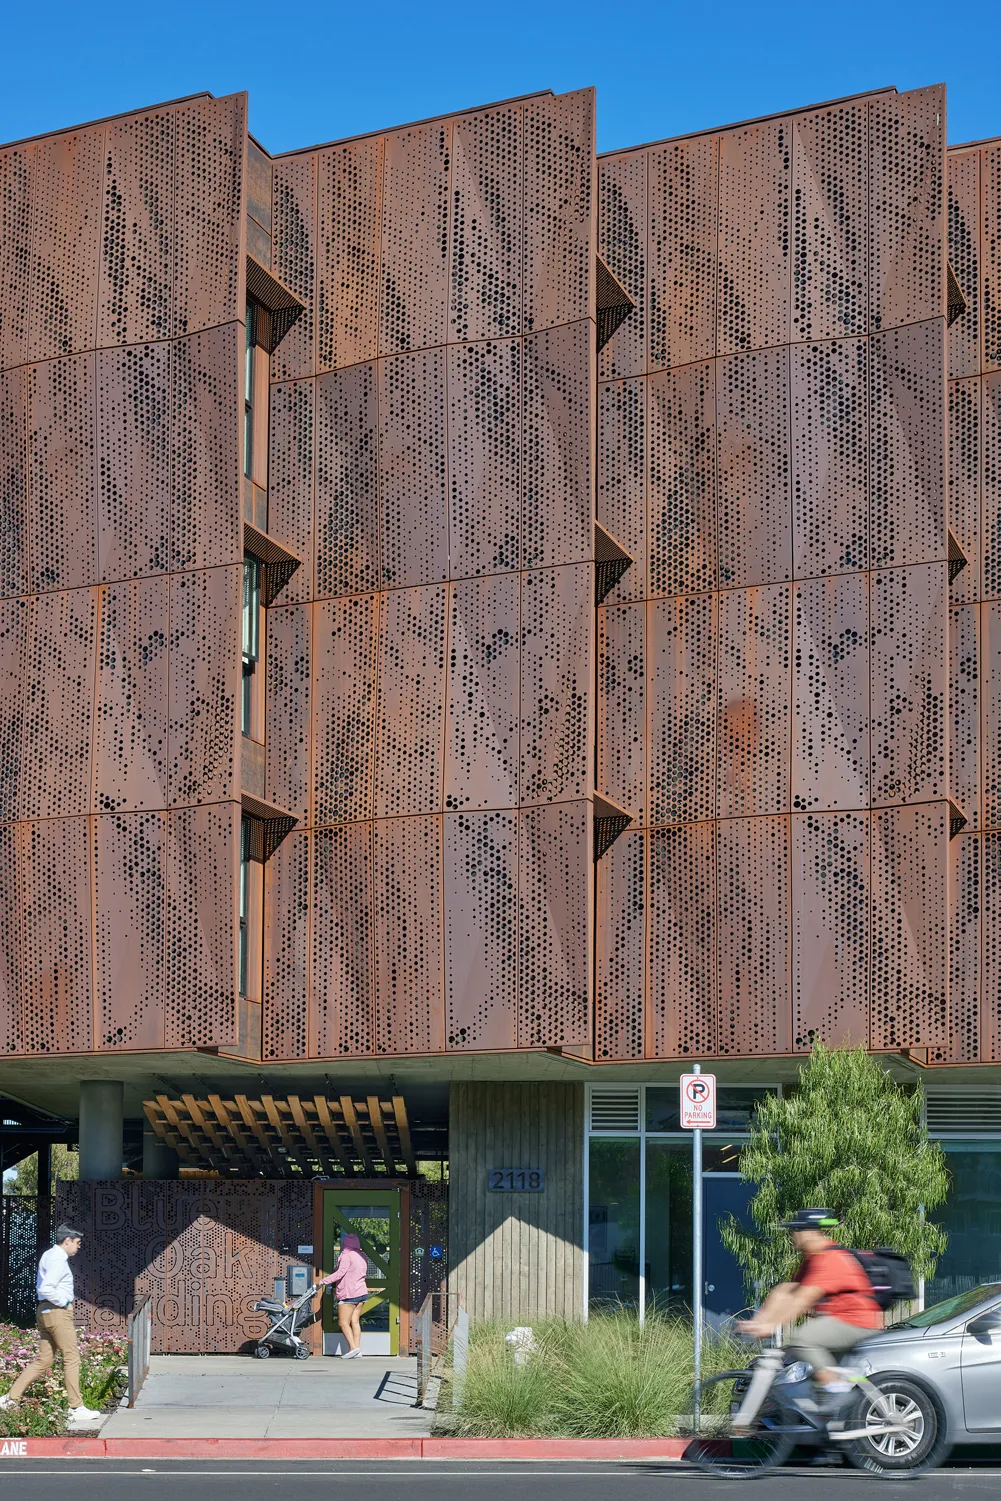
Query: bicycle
{"points": [[891, 1426]]}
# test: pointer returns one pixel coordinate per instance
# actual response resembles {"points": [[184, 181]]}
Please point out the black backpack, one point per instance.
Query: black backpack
{"points": [[889, 1275]]}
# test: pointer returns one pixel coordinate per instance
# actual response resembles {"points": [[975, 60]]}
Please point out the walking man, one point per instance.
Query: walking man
{"points": [[54, 1290]]}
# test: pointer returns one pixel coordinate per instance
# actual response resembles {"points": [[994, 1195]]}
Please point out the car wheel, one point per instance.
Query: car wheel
{"points": [[917, 1440]]}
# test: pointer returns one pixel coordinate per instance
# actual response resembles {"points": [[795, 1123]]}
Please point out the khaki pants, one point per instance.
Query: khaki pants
{"points": [[57, 1331], [821, 1339]]}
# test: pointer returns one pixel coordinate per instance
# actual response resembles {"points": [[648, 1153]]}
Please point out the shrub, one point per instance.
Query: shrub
{"points": [[43, 1408]]}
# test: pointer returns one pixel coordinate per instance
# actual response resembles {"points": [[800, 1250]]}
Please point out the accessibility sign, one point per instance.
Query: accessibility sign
{"points": [[698, 1102]]}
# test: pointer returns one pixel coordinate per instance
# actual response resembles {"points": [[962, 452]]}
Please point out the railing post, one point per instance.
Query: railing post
{"points": [[460, 1355]]}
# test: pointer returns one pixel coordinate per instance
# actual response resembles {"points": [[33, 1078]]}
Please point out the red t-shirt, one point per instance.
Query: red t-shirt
{"points": [[846, 1288]]}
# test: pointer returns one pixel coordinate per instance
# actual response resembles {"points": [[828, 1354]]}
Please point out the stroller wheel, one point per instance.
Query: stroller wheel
{"points": [[302, 1352], [262, 1351]]}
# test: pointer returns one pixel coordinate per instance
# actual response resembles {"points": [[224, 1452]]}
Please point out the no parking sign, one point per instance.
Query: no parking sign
{"points": [[698, 1102]]}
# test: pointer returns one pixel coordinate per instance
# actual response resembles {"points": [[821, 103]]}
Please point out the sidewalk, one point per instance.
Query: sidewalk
{"points": [[237, 1397]]}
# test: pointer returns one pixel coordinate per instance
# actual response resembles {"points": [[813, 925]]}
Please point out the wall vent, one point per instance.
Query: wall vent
{"points": [[968, 1112], [615, 1110]]}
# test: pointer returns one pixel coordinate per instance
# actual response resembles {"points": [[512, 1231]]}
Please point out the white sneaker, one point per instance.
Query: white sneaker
{"points": [[83, 1415], [351, 1354]]}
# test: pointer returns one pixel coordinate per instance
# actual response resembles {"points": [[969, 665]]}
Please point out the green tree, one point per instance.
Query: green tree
{"points": [[24, 1178], [851, 1139]]}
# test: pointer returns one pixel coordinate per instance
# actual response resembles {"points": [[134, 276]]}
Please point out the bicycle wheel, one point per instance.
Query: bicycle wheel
{"points": [[718, 1451], [920, 1442]]}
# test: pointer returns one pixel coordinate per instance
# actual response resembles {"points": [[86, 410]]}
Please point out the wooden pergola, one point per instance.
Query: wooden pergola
{"points": [[289, 1137]]}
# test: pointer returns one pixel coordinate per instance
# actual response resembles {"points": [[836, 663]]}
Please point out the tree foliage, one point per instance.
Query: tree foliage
{"points": [[851, 1139], [24, 1178]]}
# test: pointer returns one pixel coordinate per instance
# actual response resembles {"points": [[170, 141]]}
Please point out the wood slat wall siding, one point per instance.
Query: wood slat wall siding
{"points": [[517, 1256]]}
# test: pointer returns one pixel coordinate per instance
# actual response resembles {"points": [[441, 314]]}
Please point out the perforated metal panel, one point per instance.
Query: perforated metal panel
{"points": [[754, 665], [347, 482], [964, 1038], [622, 676], [290, 480], [963, 212], [13, 649], [755, 503], [964, 706], [557, 466], [411, 709], [682, 537], [294, 258], [683, 193], [415, 238], [407, 925], [830, 208], [555, 683], [65, 234], [137, 236], [11, 951], [965, 473], [203, 847], [289, 669], [908, 684], [990, 689], [830, 929], [907, 206], [130, 749], [830, 694], [13, 482], [342, 993], [682, 943], [129, 854], [344, 701], [753, 935], [483, 691], [755, 240], [907, 368], [623, 232], [990, 198], [285, 992], [203, 684], [682, 645], [487, 224], [554, 932], [209, 212], [990, 418], [559, 237], [56, 937], [990, 1045], [830, 457], [481, 929], [621, 962], [909, 921], [205, 519], [135, 434], [412, 449], [59, 704], [621, 478], [62, 519], [485, 439], [17, 166], [349, 184]]}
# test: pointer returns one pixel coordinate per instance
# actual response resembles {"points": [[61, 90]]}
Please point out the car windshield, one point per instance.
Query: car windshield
{"points": [[952, 1308]]}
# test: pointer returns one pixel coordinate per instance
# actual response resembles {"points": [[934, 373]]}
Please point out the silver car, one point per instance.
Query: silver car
{"points": [[954, 1349]]}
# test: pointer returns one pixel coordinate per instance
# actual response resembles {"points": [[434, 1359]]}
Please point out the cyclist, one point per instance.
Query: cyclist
{"points": [[834, 1291]]}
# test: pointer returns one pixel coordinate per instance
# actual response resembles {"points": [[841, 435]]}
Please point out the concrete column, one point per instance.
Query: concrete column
{"points": [[159, 1160], [101, 1140]]}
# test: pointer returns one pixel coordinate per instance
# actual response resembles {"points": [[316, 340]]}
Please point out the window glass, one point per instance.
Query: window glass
{"points": [[734, 1107], [614, 1221], [251, 638], [244, 901], [668, 1225], [971, 1217], [951, 1308], [248, 394]]}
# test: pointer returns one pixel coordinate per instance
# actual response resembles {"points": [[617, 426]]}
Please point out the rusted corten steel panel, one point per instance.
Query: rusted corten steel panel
{"points": [[681, 536], [407, 928], [348, 242], [990, 711], [131, 741], [412, 468], [58, 730], [414, 271], [342, 995], [410, 717], [346, 536], [683, 231], [487, 225], [558, 462], [965, 450], [129, 854], [17, 167], [681, 707], [289, 678], [482, 711], [755, 236], [210, 234], [560, 226], [203, 684], [621, 706], [65, 236], [963, 170], [622, 487], [755, 503], [753, 939], [62, 469], [990, 200], [683, 922], [480, 869], [907, 207], [285, 1011], [294, 259], [990, 428], [555, 925], [909, 683], [12, 948], [621, 930], [753, 698], [623, 244], [908, 431], [990, 1008], [136, 297], [909, 910], [830, 690], [830, 457], [965, 665], [205, 528], [290, 481], [13, 650], [56, 935], [965, 1036], [201, 945], [343, 689], [830, 221], [486, 409], [830, 929], [13, 482], [557, 653], [135, 438]]}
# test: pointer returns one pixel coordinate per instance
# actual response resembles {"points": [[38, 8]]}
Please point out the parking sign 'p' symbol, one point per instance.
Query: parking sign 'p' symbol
{"points": [[697, 1089]]}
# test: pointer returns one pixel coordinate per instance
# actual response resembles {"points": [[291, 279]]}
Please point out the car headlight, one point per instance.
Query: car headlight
{"points": [[798, 1371]]}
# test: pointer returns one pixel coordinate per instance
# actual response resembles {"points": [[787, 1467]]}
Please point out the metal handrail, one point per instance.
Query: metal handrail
{"points": [[441, 1319], [139, 1329]]}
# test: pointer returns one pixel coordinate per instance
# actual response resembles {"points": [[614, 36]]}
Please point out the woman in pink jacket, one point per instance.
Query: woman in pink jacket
{"points": [[348, 1280]]}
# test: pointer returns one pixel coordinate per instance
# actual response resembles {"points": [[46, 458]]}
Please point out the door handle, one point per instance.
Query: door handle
{"points": [[710, 1287]]}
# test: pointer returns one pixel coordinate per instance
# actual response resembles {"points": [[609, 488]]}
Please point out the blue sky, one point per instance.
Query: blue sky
{"points": [[316, 71]]}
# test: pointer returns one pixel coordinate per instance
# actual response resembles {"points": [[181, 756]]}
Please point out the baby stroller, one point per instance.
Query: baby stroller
{"points": [[285, 1320]]}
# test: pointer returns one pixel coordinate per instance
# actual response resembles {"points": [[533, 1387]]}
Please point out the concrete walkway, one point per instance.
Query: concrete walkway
{"points": [[235, 1396]]}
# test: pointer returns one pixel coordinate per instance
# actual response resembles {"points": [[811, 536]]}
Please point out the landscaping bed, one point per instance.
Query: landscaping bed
{"points": [[43, 1408]]}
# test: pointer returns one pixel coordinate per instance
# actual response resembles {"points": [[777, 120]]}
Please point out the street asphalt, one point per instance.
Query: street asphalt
{"points": [[436, 1480]]}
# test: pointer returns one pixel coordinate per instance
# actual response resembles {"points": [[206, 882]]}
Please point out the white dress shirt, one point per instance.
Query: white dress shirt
{"points": [[54, 1282]]}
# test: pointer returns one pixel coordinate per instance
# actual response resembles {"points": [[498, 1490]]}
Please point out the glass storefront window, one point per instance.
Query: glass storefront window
{"points": [[971, 1217], [614, 1221], [669, 1226], [734, 1107]]}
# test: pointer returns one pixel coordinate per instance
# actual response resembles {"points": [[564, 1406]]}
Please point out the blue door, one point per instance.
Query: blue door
{"points": [[723, 1289]]}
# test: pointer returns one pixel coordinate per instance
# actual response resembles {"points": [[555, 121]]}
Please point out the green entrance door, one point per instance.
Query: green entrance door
{"points": [[374, 1216]]}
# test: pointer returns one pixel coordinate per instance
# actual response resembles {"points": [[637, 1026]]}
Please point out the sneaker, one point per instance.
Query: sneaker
{"points": [[351, 1354], [83, 1415]]}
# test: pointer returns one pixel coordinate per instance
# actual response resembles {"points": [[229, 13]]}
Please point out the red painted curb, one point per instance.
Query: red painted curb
{"points": [[341, 1448]]}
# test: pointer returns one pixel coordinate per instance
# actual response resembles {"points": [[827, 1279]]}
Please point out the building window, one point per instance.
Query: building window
{"points": [[245, 832], [248, 396], [251, 708], [971, 1217]]}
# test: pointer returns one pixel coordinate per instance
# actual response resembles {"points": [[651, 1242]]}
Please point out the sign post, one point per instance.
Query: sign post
{"points": [[697, 1092]]}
